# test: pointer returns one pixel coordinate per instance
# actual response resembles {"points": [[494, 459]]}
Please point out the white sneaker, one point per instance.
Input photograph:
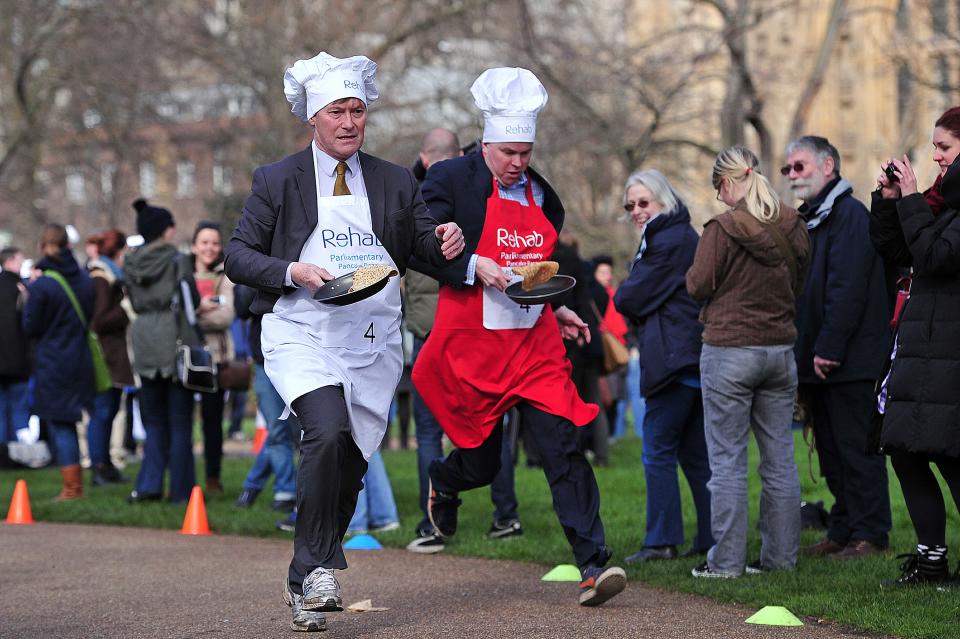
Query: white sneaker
{"points": [[321, 591], [703, 570]]}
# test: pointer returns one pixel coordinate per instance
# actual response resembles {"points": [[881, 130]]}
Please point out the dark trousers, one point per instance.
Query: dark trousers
{"points": [[211, 414], [429, 447], [673, 434], [858, 481], [166, 409], [576, 498], [922, 494], [329, 479]]}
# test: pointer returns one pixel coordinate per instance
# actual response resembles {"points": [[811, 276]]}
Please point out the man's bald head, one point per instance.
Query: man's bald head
{"points": [[439, 144]]}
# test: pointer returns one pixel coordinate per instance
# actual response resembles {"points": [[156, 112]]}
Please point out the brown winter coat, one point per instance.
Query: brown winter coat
{"points": [[110, 322], [742, 277]]}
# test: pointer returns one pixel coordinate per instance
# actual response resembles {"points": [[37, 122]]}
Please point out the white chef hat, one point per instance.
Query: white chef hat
{"points": [[312, 84], [510, 99]]}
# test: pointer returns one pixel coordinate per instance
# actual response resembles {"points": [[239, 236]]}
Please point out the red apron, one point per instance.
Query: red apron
{"points": [[470, 375]]}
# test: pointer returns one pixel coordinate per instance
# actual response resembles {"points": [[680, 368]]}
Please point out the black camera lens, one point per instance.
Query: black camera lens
{"points": [[892, 174]]}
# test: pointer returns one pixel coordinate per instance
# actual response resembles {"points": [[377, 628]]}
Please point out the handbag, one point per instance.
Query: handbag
{"points": [[193, 365], [234, 375], [101, 373], [615, 354]]}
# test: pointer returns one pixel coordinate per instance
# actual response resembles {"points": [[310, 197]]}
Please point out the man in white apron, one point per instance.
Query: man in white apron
{"points": [[313, 216]]}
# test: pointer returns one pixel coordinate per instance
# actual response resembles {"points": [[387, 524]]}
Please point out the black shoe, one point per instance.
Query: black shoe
{"points": [[104, 474], [693, 552], [505, 529], [283, 505], [289, 524], [755, 568], [136, 497], [918, 569], [246, 498], [652, 553], [427, 543], [442, 508]]}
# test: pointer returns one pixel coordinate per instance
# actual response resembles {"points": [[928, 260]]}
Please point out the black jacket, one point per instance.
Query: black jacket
{"points": [[923, 401], [281, 212], [655, 297], [14, 351], [843, 310]]}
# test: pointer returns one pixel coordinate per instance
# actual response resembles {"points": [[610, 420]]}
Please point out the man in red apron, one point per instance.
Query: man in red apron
{"points": [[486, 353]]}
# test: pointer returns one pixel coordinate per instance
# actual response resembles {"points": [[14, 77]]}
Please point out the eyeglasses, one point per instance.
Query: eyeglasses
{"points": [[797, 167], [642, 204]]}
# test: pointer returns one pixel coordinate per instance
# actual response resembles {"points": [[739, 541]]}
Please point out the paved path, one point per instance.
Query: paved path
{"points": [[66, 580]]}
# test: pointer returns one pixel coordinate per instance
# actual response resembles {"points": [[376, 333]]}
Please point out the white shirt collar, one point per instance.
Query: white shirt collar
{"points": [[327, 165]]}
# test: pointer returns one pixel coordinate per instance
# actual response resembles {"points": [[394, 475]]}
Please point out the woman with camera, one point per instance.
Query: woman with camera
{"points": [[749, 267], [918, 401], [215, 313], [654, 296], [153, 274]]}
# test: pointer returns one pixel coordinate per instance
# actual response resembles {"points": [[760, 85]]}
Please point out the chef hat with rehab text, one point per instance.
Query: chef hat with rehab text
{"points": [[510, 99], [312, 84]]}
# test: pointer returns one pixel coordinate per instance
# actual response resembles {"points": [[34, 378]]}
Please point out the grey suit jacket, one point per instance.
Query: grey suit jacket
{"points": [[281, 212]]}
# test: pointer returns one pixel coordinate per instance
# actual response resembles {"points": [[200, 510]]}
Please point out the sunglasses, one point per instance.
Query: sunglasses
{"points": [[642, 204], [797, 167]]}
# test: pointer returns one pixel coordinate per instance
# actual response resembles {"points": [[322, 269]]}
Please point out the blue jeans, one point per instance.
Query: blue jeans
{"points": [[429, 437], [635, 399], [167, 412], [105, 408], [673, 432], [65, 442], [375, 504], [276, 456], [14, 409]]}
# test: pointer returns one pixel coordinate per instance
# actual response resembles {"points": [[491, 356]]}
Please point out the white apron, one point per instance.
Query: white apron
{"points": [[308, 345]]}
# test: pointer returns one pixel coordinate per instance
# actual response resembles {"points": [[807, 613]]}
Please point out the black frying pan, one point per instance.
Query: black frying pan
{"points": [[335, 291], [550, 291]]}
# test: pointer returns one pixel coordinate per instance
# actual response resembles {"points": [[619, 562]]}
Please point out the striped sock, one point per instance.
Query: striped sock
{"points": [[933, 553]]}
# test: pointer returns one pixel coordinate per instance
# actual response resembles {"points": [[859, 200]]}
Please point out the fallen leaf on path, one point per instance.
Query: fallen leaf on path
{"points": [[365, 605]]}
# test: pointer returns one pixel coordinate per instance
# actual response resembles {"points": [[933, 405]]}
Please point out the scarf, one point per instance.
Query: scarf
{"points": [[933, 196]]}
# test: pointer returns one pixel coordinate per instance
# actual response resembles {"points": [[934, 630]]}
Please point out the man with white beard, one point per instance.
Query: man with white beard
{"points": [[843, 337]]}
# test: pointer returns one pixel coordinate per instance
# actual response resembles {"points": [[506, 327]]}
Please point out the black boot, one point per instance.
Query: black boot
{"points": [[107, 473], [920, 569]]}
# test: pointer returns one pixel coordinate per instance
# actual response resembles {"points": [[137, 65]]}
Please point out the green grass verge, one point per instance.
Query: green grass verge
{"points": [[847, 593]]}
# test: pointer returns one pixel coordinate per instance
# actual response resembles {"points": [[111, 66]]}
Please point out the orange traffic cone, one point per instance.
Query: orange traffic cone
{"points": [[19, 512], [195, 522], [259, 436]]}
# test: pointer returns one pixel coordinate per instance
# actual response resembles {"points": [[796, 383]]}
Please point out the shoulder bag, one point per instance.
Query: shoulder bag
{"points": [[194, 365], [101, 373], [615, 354]]}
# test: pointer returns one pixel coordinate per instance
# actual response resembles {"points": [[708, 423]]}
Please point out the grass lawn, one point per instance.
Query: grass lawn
{"points": [[847, 592]]}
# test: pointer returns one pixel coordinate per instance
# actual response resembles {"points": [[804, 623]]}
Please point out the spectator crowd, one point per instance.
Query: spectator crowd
{"points": [[840, 308]]}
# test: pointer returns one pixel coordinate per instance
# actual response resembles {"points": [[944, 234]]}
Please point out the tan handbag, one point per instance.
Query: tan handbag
{"points": [[615, 354]]}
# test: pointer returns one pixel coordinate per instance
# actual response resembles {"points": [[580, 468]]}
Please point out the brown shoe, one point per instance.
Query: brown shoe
{"points": [[214, 487], [72, 483], [858, 548], [822, 548]]}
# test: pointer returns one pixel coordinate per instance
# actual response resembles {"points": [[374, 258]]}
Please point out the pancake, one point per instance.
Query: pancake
{"points": [[536, 273]]}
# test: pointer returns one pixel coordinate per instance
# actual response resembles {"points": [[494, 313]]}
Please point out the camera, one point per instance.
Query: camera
{"points": [[891, 172]]}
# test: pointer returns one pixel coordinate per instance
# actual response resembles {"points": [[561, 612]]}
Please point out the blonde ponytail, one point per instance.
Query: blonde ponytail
{"points": [[740, 164]]}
